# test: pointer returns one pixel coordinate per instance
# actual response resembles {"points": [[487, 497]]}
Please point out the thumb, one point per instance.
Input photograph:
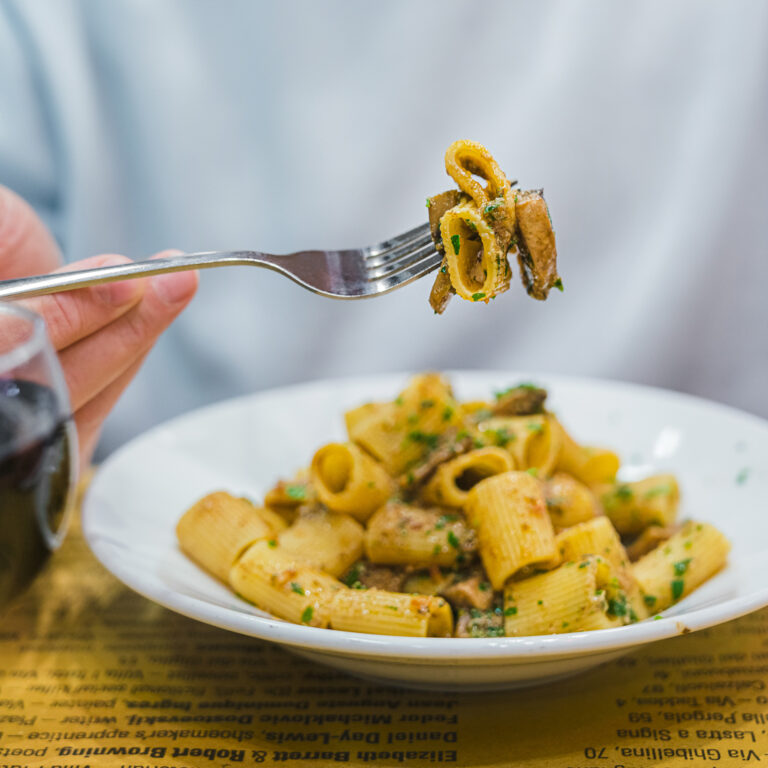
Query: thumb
{"points": [[26, 245]]}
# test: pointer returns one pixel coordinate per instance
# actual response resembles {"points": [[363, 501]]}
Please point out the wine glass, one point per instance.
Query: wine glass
{"points": [[38, 450]]}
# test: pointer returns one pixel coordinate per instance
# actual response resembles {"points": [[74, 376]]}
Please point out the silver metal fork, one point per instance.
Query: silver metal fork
{"points": [[350, 274]]}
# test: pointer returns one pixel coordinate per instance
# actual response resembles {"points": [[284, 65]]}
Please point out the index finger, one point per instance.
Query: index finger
{"points": [[72, 315]]}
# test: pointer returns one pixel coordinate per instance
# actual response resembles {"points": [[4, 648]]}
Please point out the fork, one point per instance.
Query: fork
{"points": [[351, 274]]}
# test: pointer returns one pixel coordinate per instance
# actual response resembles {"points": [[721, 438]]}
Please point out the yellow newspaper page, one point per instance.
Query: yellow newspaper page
{"points": [[92, 674]]}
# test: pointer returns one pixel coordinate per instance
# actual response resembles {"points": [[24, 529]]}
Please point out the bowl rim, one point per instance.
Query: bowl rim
{"points": [[409, 649]]}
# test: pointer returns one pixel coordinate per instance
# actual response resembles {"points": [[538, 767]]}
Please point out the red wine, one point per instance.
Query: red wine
{"points": [[35, 477]]}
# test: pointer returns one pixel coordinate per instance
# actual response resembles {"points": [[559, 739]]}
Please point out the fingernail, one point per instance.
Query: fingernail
{"points": [[117, 294], [175, 287]]}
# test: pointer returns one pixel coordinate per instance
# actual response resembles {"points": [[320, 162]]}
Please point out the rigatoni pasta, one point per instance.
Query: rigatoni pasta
{"points": [[513, 527], [284, 585], [391, 613], [440, 518], [686, 560], [479, 227], [218, 528]]}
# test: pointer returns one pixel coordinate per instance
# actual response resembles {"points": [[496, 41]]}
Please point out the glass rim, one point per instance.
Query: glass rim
{"points": [[25, 350]]}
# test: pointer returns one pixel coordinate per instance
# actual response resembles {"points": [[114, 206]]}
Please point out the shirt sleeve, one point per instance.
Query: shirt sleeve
{"points": [[29, 161]]}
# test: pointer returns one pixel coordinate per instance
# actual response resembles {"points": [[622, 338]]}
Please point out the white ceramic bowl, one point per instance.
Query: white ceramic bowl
{"points": [[719, 455]]}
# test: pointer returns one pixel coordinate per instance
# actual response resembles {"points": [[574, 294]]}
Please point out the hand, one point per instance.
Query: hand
{"points": [[103, 333]]}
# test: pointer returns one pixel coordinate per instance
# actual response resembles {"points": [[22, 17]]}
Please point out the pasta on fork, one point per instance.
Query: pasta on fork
{"points": [[479, 227], [442, 518]]}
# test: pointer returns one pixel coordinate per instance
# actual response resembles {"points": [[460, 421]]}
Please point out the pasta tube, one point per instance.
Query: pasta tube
{"points": [[391, 613], [281, 584], [465, 158], [632, 507], [403, 433], [571, 598], [568, 501], [454, 479], [218, 528], [513, 527], [588, 464], [684, 562], [326, 540], [400, 534], [348, 480], [532, 441], [599, 537], [477, 265]]}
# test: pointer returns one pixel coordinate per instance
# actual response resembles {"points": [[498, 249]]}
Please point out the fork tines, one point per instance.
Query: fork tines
{"points": [[413, 250]]}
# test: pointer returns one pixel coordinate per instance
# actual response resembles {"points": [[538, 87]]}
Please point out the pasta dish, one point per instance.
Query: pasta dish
{"points": [[479, 227], [441, 518]]}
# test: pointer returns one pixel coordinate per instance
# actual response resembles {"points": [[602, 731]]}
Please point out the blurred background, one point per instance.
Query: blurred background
{"points": [[138, 125]]}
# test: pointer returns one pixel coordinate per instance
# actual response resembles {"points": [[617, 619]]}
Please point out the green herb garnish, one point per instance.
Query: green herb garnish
{"points": [[453, 540], [297, 588], [478, 296], [456, 243], [429, 439], [297, 492], [306, 615], [678, 586]]}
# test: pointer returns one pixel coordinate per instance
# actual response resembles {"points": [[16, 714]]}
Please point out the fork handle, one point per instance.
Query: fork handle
{"points": [[39, 285]]}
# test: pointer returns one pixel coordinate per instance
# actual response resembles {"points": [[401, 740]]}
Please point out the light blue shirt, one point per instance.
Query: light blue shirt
{"points": [[138, 125]]}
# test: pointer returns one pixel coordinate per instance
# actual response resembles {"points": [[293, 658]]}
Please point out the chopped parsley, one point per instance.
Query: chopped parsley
{"points": [[533, 471], [399, 400], [659, 490], [352, 579], [490, 208], [624, 492], [483, 586], [511, 611], [681, 567], [297, 588], [272, 543], [427, 404], [539, 602], [617, 606], [447, 413], [456, 243], [501, 436], [297, 492], [678, 585], [443, 519], [429, 203], [430, 439], [478, 296], [443, 269], [437, 549], [453, 540], [559, 285], [650, 600], [535, 426], [306, 615]]}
